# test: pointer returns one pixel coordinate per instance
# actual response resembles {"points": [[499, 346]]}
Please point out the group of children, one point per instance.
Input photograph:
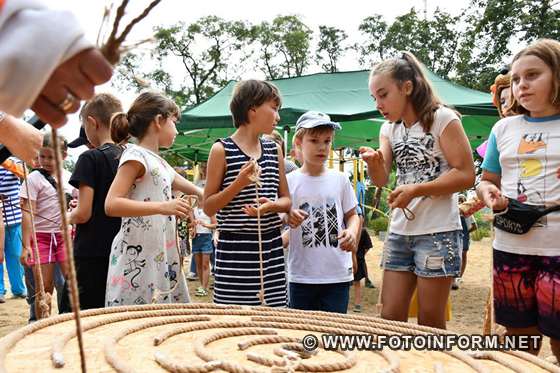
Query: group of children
{"points": [[253, 199]]}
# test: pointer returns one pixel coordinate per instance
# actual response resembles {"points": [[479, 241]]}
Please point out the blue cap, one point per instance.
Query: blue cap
{"points": [[312, 119]]}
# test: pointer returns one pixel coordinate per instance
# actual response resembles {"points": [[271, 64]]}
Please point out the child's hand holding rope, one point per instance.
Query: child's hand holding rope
{"points": [[246, 174], [263, 205]]}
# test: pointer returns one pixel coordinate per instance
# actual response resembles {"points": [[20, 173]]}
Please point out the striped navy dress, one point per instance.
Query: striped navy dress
{"points": [[237, 270]]}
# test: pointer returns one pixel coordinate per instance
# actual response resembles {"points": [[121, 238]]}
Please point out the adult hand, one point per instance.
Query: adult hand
{"points": [[21, 138], [72, 81]]}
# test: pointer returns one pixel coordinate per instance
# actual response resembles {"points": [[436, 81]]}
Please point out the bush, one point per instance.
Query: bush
{"points": [[378, 224], [480, 233]]}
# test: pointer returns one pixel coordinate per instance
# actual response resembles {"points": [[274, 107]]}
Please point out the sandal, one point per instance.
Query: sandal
{"points": [[201, 292]]}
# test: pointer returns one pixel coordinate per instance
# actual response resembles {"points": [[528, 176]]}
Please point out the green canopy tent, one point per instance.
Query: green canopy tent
{"points": [[343, 95]]}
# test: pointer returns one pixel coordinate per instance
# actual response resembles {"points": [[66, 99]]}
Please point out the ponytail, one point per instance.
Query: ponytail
{"points": [[120, 128], [423, 99], [136, 122]]}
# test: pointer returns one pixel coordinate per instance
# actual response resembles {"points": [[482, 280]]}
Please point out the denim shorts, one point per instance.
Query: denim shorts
{"points": [[427, 255], [202, 243]]}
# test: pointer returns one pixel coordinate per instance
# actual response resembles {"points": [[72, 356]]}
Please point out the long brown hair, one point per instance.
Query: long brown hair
{"points": [[143, 111], [423, 99], [548, 51]]}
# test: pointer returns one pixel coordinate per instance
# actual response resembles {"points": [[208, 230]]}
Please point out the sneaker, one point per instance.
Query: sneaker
{"points": [[21, 296], [200, 292], [192, 276], [369, 284], [357, 308], [2, 299], [455, 284]]}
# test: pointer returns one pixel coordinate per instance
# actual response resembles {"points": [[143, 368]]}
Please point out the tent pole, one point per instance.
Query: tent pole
{"points": [[355, 177], [286, 130]]}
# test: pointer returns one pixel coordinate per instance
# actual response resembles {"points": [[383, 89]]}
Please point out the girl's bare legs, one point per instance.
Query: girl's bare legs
{"points": [[205, 273], [433, 293], [203, 268], [397, 291]]}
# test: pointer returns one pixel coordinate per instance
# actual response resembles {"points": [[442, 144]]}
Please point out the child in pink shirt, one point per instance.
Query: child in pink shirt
{"points": [[42, 195]]}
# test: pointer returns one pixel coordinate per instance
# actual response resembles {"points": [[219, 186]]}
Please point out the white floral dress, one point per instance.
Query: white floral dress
{"points": [[144, 257]]}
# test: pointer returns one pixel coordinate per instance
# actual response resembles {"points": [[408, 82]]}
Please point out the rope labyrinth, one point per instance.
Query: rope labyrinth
{"points": [[198, 338]]}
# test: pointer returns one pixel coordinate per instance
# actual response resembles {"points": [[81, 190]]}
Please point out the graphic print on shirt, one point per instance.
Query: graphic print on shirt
{"points": [[321, 226], [531, 171], [415, 159], [134, 264]]}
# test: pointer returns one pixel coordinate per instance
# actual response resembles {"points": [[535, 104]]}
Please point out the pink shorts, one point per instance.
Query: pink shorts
{"points": [[51, 248]]}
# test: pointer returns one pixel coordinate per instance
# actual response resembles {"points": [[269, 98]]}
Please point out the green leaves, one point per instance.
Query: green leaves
{"points": [[190, 62]]}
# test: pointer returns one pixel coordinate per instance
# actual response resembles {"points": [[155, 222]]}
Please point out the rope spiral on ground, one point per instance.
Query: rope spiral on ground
{"points": [[200, 338]]}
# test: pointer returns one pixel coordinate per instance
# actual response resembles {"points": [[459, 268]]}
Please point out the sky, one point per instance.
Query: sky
{"points": [[346, 15]]}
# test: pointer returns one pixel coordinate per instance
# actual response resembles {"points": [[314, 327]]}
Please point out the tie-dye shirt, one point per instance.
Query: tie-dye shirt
{"points": [[526, 152]]}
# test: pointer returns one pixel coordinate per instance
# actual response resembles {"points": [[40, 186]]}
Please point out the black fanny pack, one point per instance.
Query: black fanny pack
{"points": [[518, 218]]}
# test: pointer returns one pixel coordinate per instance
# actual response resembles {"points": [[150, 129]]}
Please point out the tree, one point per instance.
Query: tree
{"points": [[330, 47], [284, 47], [204, 49], [493, 27], [374, 31]]}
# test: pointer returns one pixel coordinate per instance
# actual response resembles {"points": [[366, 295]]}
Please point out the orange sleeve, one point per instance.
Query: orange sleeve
{"points": [[13, 167]]}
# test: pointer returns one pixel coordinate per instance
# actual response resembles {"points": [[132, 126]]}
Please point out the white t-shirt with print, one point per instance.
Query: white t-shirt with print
{"points": [[526, 152], [314, 256], [419, 159]]}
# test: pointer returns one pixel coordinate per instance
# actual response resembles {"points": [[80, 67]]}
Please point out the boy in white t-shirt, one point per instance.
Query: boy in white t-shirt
{"points": [[323, 221]]}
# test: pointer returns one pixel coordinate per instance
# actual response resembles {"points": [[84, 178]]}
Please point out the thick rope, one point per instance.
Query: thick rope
{"points": [[197, 315], [69, 248], [256, 179], [44, 300], [158, 293]]}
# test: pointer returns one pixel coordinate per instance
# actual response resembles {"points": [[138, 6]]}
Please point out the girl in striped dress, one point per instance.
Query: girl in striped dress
{"points": [[231, 192]]}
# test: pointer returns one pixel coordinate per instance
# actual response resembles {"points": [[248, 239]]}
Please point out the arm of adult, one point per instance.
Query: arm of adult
{"points": [[21, 138], [34, 43]]}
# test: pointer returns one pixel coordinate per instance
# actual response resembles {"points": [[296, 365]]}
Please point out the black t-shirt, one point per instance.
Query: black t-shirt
{"points": [[96, 168]]}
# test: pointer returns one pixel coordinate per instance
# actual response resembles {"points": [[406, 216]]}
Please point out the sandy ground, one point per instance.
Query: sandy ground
{"points": [[467, 303]]}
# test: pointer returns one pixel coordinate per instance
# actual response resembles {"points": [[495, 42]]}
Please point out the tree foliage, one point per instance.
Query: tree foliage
{"points": [[284, 47], [469, 48], [330, 47]]}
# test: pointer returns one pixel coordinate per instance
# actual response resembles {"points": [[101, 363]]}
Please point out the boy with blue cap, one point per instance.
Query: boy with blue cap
{"points": [[323, 220]]}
